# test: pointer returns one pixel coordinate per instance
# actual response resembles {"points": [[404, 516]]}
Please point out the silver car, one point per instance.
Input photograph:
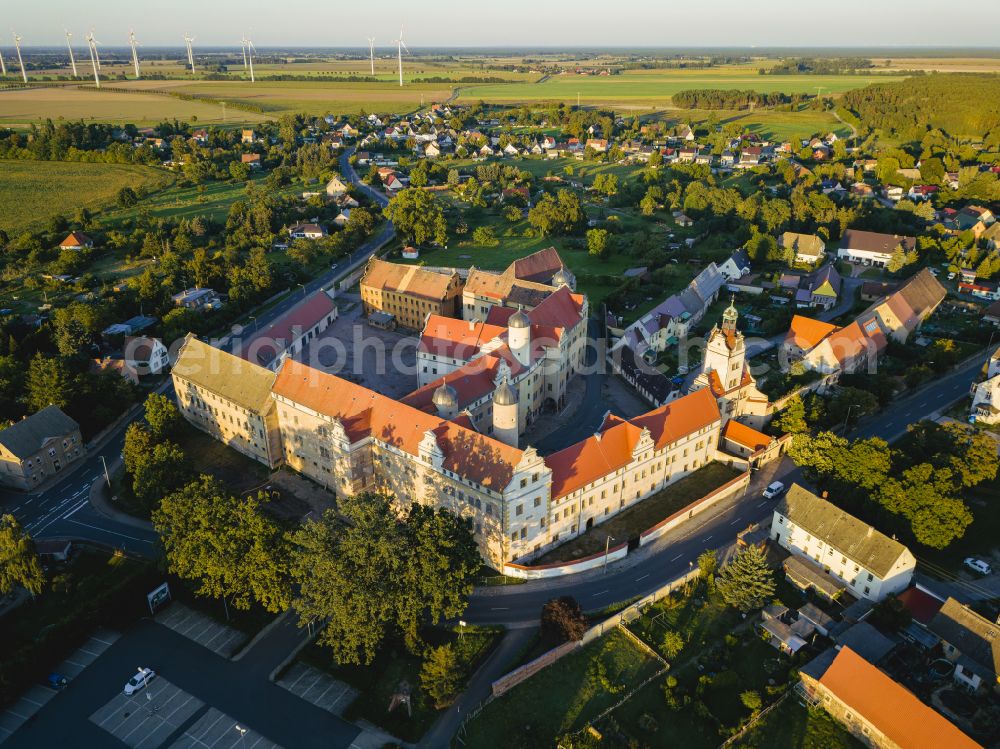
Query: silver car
{"points": [[139, 681]]}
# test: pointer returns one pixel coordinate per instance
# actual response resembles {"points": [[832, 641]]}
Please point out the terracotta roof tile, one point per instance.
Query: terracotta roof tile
{"points": [[746, 436], [806, 333], [889, 707]]}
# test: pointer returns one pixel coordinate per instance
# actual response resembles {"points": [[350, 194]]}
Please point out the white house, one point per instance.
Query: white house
{"points": [[867, 563], [306, 231], [971, 642], [985, 407], [336, 187], [872, 248], [146, 355]]}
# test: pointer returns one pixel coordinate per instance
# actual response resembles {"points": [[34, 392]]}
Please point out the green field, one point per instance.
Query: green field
{"points": [[651, 89], [32, 192]]}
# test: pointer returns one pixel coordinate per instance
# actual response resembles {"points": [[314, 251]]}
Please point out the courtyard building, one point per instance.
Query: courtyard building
{"points": [[409, 293]]}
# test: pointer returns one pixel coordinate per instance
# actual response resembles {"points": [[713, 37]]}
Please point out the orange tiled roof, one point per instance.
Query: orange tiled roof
{"points": [[806, 333], [744, 435], [363, 413], [611, 449], [461, 339], [471, 382], [406, 279], [890, 707]]}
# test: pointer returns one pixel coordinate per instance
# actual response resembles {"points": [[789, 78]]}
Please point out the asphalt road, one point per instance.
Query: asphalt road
{"points": [[63, 510]]}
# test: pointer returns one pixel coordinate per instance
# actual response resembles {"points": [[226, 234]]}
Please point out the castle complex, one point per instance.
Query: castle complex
{"points": [[454, 442]]}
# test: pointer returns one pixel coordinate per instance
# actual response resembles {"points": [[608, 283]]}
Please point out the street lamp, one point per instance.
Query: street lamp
{"points": [[242, 732], [853, 405], [303, 290], [254, 322], [607, 544]]}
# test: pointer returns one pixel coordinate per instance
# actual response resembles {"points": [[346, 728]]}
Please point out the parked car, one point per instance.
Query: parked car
{"points": [[56, 681], [774, 489], [139, 681], [978, 565]]}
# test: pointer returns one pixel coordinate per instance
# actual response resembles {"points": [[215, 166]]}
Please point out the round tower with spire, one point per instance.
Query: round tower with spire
{"points": [[445, 400], [519, 337], [725, 353]]}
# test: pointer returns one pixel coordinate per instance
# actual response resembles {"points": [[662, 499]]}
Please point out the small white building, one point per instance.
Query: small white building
{"points": [[336, 187], [869, 563], [146, 355], [985, 407]]}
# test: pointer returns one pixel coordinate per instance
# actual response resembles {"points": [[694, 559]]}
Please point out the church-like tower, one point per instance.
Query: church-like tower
{"points": [[725, 353]]}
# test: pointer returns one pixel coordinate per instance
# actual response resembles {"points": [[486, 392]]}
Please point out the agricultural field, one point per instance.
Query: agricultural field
{"points": [[940, 64], [31, 192], [21, 107], [653, 88]]}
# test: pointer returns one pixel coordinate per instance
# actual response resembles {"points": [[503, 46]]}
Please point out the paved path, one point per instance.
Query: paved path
{"points": [[479, 687]]}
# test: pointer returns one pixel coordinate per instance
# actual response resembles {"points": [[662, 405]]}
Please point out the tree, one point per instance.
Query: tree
{"points": [[373, 575], [50, 383], [673, 644], [155, 468], [746, 582], [441, 675], [890, 614], [239, 171], [227, 544], [19, 563], [75, 324], [127, 197], [162, 416], [561, 214], [597, 242], [707, 563], [751, 700], [925, 496], [418, 216], [606, 184], [792, 418], [484, 235], [563, 620]]}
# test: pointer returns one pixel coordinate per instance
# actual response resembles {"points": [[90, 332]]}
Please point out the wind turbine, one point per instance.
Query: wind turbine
{"points": [[135, 54], [371, 52], [69, 46], [17, 46], [400, 46], [243, 47], [250, 49], [95, 60], [187, 41], [3, 65]]}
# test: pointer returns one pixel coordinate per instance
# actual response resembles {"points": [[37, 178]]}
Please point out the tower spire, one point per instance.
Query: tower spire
{"points": [[729, 317]]}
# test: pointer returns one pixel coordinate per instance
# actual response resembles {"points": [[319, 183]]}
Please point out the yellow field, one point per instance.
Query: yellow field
{"points": [[941, 64]]}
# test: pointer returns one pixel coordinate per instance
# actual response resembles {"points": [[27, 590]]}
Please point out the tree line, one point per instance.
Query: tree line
{"points": [[715, 98]]}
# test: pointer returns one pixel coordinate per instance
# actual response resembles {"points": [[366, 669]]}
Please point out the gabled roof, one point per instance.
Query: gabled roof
{"points": [[871, 241], [230, 377], [473, 381], [365, 413], [457, 339], [611, 448], [806, 333], [407, 279], [803, 244], [539, 266], [264, 346], [746, 436], [853, 538], [76, 239], [889, 707], [26, 437], [922, 293], [975, 637]]}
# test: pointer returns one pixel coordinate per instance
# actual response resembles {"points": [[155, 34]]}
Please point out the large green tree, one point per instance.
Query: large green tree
{"points": [[154, 466], [418, 216], [50, 382], [162, 416], [561, 214], [227, 544], [19, 563], [925, 496], [441, 675], [373, 575], [746, 582]]}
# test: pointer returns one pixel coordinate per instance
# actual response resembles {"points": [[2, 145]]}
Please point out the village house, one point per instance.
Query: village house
{"points": [[872, 248], [876, 710], [197, 299], [808, 248], [77, 240], [146, 355], [861, 559], [38, 447], [247, 136], [306, 231], [251, 159], [971, 642], [336, 187], [985, 408]]}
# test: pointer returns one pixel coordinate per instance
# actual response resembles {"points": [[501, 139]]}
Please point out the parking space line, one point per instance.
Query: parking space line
{"points": [[304, 672]]}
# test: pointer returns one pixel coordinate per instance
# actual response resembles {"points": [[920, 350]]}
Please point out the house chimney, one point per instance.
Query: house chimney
{"points": [[870, 531], [825, 494]]}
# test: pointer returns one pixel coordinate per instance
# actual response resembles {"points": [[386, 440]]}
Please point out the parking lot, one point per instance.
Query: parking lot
{"points": [[202, 629], [148, 718], [216, 730], [322, 690], [14, 715]]}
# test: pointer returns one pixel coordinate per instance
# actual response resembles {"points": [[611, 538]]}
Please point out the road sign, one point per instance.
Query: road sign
{"points": [[158, 597]]}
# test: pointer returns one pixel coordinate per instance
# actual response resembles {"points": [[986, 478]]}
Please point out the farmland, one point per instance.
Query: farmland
{"points": [[653, 89], [31, 192]]}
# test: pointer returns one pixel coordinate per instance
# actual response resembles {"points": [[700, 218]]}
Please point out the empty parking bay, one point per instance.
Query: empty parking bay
{"points": [[216, 730], [14, 715], [202, 629], [318, 688], [148, 718]]}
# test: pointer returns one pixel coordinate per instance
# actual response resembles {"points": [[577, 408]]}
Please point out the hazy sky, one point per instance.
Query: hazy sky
{"points": [[659, 23]]}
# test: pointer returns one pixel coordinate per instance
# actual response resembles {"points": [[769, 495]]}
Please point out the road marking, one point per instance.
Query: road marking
{"points": [[594, 595], [762, 503], [31, 500], [499, 608], [76, 509], [105, 530], [676, 557], [706, 538], [16, 508], [639, 579], [735, 521]]}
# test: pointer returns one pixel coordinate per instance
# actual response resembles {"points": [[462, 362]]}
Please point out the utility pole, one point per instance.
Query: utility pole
{"points": [[106, 476], [607, 544]]}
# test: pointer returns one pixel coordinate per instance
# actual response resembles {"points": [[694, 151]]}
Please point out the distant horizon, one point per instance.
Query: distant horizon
{"points": [[439, 24]]}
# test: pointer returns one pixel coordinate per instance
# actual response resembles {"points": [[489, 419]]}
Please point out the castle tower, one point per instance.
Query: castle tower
{"points": [[725, 353], [519, 337], [445, 400], [505, 413]]}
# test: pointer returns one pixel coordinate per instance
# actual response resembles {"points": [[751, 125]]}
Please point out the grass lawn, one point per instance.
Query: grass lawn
{"points": [[32, 192], [794, 726], [562, 697], [205, 454], [644, 515], [394, 665]]}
